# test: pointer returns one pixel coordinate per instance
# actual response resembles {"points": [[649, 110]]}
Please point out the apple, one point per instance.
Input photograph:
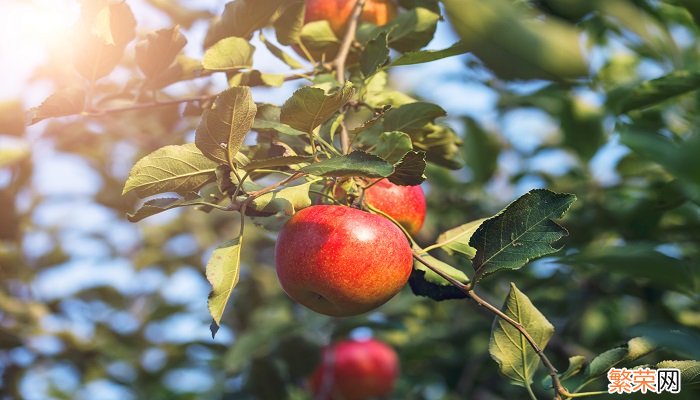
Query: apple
{"points": [[338, 12], [405, 204], [355, 370], [341, 261]]}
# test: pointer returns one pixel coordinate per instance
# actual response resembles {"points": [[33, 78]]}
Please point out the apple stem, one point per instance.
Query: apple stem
{"points": [[468, 289], [339, 64]]}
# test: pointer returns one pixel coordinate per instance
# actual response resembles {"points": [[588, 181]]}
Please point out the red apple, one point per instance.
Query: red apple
{"points": [[405, 204], [338, 12], [355, 370], [341, 261]]}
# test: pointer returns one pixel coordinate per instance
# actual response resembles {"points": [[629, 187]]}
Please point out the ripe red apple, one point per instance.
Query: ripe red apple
{"points": [[355, 370], [341, 261], [338, 12], [405, 204]]}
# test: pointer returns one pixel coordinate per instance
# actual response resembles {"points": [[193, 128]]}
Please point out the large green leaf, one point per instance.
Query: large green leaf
{"points": [[652, 92], [223, 127], [425, 282], [309, 107], [392, 146], [457, 239], [522, 231], [412, 29], [228, 54], [357, 163], [177, 168], [376, 54], [223, 270], [241, 18], [515, 357], [411, 117]]}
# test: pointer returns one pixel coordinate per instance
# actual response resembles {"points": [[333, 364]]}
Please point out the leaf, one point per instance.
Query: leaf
{"points": [[279, 53], [412, 117], [263, 125], [158, 50], [309, 106], [457, 239], [424, 282], [255, 78], [652, 92], [392, 146], [67, 101], [412, 29], [318, 36], [516, 44], [481, 151], [409, 171], [11, 118], [289, 24], [634, 349], [357, 163], [177, 168], [288, 200], [228, 54], [441, 145], [690, 370], [682, 341], [273, 162], [424, 56], [156, 206], [576, 365], [223, 270], [241, 18], [375, 55], [515, 357], [522, 231], [223, 127]]}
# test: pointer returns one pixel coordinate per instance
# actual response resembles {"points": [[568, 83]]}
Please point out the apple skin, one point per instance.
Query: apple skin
{"points": [[405, 204], [361, 370], [338, 12], [341, 261]]}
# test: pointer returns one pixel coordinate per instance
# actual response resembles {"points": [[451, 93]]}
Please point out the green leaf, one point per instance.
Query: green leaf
{"points": [[522, 231], [441, 145], [263, 125], [634, 349], [255, 78], [412, 29], [409, 171], [425, 282], [158, 50], [652, 92], [376, 54], [412, 117], [279, 53], [11, 118], [289, 199], [319, 36], [177, 168], [515, 357], [241, 18], [156, 206], [424, 56], [392, 146], [576, 365], [309, 107], [223, 270], [289, 24], [67, 101], [357, 163], [273, 162], [516, 44], [481, 151], [680, 340], [223, 127], [228, 54], [457, 239], [690, 370]]}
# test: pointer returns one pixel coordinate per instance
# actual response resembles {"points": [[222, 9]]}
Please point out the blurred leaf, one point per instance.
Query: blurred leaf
{"points": [[690, 370], [241, 18], [10, 156], [425, 282], [183, 68], [522, 231], [515, 357], [158, 51], [223, 127], [156, 206], [392, 146], [11, 118], [481, 151], [457, 239], [309, 106], [255, 78], [289, 24], [409, 171], [227, 54], [279, 53], [289, 199], [357, 163], [411, 29], [634, 349], [441, 145], [375, 55], [176, 168], [516, 45], [680, 340], [424, 56], [582, 126], [223, 270], [67, 101], [652, 92], [412, 117]]}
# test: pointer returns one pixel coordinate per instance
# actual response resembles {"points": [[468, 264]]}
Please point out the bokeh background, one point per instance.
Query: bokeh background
{"points": [[95, 307]]}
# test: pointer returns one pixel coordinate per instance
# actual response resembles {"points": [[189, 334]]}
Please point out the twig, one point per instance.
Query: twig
{"points": [[339, 64]]}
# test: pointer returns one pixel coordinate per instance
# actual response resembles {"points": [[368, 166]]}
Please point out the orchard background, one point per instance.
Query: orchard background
{"points": [[597, 99]]}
